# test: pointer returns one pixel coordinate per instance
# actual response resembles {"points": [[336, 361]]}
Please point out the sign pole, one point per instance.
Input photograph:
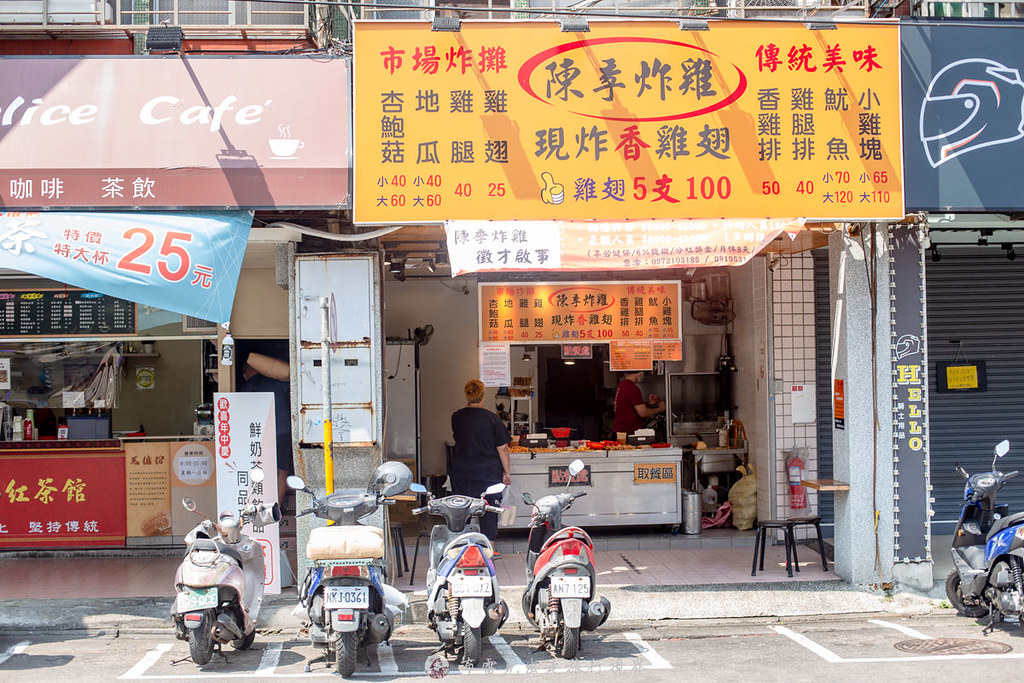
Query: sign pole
{"points": [[325, 357]]}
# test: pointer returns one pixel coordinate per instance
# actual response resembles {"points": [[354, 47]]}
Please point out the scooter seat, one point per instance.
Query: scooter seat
{"points": [[345, 543]]}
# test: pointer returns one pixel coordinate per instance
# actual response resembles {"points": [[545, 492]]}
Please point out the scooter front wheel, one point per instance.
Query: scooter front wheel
{"points": [[244, 643], [345, 657], [570, 641], [200, 640], [954, 591]]}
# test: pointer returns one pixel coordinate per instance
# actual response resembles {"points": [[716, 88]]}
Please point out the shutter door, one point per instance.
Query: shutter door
{"points": [[977, 295], [823, 378]]}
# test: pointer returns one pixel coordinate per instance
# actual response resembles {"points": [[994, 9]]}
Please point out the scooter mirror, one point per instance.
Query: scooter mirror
{"points": [[494, 488], [575, 467], [417, 488], [256, 474], [296, 482], [1002, 448], [189, 504], [527, 498]]}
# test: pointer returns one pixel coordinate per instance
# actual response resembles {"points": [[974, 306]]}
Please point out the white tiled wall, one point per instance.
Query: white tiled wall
{"points": [[792, 295]]}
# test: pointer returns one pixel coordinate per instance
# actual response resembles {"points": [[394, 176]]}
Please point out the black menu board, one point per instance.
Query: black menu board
{"points": [[64, 313]]}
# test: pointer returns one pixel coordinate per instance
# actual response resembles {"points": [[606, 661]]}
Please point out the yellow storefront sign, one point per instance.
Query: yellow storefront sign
{"points": [[962, 377], [564, 312], [660, 473], [631, 121]]}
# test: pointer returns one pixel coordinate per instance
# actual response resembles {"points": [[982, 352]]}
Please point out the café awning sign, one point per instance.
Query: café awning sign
{"points": [[505, 246]]}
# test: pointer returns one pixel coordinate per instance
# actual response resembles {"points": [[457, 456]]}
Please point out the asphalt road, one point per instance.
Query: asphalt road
{"points": [[838, 648]]}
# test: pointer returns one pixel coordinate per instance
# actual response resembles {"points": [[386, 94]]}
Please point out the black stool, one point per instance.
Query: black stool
{"points": [[809, 520], [416, 554], [759, 543], [398, 541]]}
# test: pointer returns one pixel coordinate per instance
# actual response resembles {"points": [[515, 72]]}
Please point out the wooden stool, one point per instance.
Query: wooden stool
{"points": [[759, 543], [809, 520], [398, 541], [416, 554]]}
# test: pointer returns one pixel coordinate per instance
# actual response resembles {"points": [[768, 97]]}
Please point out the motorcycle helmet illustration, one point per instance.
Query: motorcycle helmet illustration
{"points": [[970, 104]]}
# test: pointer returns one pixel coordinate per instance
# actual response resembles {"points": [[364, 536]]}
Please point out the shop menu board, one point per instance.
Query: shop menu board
{"points": [[64, 313], [564, 312]]}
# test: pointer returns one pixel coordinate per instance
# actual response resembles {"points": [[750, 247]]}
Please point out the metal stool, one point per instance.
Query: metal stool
{"points": [[809, 520], [398, 541], [759, 543], [416, 554]]}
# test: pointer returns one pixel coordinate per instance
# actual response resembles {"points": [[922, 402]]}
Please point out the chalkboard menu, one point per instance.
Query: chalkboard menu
{"points": [[64, 313]]}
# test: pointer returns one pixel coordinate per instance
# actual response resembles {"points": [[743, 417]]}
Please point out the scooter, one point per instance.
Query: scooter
{"points": [[464, 604], [220, 582], [344, 593], [988, 550], [559, 598]]}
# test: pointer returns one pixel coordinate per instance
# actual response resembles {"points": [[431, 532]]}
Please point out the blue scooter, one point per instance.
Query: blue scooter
{"points": [[988, 549]]}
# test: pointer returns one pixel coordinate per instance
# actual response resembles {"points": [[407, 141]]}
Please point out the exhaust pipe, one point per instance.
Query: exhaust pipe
{"points": [[225, 630], [494, 618], [597, 613], [379, 629]]}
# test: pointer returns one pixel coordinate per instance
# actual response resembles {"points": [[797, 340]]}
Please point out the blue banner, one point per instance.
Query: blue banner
{"points": [[187, 261]]}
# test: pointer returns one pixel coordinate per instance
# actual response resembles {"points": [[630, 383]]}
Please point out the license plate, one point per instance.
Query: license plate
{"points": [[192, 599], [471, 586], [570, 586], [347, 597]]}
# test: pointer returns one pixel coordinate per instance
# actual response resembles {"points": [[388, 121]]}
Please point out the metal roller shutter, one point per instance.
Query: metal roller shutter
{"points": [[823, 377], [977, 295]]}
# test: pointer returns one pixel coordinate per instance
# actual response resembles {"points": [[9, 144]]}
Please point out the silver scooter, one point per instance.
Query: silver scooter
{"points": [[220, 582]]}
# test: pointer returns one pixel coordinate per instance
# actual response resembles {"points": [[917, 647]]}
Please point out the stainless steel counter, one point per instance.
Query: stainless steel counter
{"points": [[624, 487]]}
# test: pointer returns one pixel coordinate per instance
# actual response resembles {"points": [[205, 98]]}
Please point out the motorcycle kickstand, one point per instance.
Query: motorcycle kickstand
{"points": [[322, 658], [993, 616]]}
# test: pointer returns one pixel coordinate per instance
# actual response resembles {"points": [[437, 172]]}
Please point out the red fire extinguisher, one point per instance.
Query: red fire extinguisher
{"points": [[797, 492]]}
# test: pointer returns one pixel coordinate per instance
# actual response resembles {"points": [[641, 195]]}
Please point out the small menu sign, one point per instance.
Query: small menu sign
{"points": [[64, 313]]}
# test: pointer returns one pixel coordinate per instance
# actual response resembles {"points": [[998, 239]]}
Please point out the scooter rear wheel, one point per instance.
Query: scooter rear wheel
{"points": [[345, 657], [956, 598], [200, 641], [472, 644], [570, 641]]}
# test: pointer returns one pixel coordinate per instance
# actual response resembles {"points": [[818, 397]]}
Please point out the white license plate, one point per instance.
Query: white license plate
{"points": [[192, 599], [471, 586], [570, 586], [346, 597]]}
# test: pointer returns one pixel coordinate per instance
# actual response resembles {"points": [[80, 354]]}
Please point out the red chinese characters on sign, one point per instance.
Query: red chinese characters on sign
{"points": [[57, 499]]}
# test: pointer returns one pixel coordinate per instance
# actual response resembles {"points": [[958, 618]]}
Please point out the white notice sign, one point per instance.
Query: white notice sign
{"points": [[495, 366], [246, 439], [803, 403]]}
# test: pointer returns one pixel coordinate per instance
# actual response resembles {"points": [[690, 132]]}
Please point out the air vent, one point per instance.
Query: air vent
{"points": [[197, 325]]}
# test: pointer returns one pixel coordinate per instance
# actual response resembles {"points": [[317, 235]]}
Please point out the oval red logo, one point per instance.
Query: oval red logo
{"points": [[581, 299], [676, 80]]}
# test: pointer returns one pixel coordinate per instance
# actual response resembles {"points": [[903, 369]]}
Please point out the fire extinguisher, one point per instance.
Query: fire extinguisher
{"points": [[797, 492]]}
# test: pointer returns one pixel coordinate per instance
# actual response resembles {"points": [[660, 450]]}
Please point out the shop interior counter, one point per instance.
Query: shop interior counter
{"points": [[624, 487]]}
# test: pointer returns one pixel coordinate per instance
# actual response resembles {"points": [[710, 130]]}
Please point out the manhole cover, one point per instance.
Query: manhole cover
{"points": [[952, 646]]}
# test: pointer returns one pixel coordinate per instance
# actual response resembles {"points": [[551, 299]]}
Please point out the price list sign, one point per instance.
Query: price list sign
{"points": [[64, 313], [563, 312], [630, 121]]}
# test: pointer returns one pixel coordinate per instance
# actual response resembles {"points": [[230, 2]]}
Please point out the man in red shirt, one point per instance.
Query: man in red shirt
{"points": [[631, 411]]}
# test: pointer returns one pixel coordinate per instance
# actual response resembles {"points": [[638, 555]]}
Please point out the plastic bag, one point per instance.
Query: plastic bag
{"points": [[743, 496], [721, 517], [508, 508]]}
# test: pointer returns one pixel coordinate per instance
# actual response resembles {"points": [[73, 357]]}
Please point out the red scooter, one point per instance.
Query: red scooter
{"points": [[560, 591]]}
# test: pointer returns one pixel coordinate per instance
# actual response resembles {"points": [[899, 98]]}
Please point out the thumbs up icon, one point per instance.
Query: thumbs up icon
{"points": [[552, 192]]}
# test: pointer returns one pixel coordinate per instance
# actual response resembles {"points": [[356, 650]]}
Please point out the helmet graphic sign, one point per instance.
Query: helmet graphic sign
{"points": [[971, 104]]}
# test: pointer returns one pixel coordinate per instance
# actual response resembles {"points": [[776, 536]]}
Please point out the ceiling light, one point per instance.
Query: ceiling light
{"points": [[688, 24], [570, 362], [573, 23], [445, 22], [983, 236], [820, 25], [936, 254], [1010, 253], [164, 38]]}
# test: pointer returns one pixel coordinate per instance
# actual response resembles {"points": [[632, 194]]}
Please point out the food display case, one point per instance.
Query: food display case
{"points": [[625, 486]]}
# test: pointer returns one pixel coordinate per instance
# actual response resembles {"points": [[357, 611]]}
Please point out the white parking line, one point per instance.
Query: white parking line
{"points": [[386, 659], [832, 657], [655, 660], [271, 656], [512, 661], [906, 630], [16, 649], [148, 660]]}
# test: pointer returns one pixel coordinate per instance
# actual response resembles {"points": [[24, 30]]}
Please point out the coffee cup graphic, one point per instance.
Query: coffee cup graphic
{"points": [[285, 148]]}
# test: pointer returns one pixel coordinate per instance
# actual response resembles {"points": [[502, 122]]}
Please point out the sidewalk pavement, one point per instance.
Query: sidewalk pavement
{"points": [[134, 593]]}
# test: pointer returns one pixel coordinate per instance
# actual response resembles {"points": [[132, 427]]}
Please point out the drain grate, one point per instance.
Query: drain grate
{"points": [[952, 646]]}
